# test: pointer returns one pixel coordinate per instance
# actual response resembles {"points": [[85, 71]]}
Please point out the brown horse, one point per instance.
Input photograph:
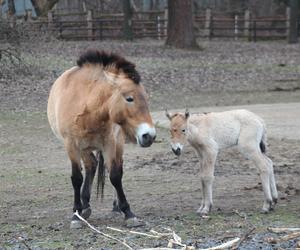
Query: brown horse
{"points": [[91, 108]]}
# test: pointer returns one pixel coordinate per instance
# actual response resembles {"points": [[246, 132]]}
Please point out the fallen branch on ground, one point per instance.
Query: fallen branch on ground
{"points": [[21, 239], [223, 246], [291, 236], [243, 238], [283, 229], [103, 234], [157, 235]]}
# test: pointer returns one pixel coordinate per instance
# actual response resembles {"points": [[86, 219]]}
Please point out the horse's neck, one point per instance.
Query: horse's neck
{"points": [[195, 120]]}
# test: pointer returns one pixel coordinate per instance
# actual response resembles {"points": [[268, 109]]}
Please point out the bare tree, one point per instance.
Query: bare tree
{"points": [[127, 24], [180, 24], [43, 6]]}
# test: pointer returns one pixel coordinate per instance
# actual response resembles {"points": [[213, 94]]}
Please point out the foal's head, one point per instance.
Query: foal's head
{"points": [[127, 100], [178, 128]]}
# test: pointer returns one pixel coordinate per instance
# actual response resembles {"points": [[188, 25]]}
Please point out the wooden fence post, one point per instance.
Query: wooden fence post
{"points": [[247, 25], [208, 21], [236, 27], [90, 25], [29, 15], [288, 17], [158, 28], [254, 31], [50, 20], [166, 22]]}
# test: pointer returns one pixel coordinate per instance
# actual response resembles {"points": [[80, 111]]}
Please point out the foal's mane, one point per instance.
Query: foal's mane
{"points": [[107, 60]]}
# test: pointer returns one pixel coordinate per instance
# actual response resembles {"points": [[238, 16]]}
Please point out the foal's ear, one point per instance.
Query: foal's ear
{"points": [[168, 115], [187, 113]]}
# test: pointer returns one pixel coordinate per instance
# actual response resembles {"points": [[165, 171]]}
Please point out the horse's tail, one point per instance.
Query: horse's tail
{"points": [[101, 175], [263, 141]]}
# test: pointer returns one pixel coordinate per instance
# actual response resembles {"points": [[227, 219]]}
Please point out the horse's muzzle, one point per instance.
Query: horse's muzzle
{"points": [[146, 140], [145, 135], [176, 151]]}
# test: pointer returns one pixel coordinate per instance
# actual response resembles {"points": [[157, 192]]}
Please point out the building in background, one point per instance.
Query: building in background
{"points": [[21, 6]]}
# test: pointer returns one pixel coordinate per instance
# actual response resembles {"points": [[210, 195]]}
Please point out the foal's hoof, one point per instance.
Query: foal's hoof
{"points": [[86, 213], [134, 222], [76, 224], [203, 212]]}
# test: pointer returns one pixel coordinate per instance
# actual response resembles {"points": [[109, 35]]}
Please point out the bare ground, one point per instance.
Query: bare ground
{"points": [[35, 188]]}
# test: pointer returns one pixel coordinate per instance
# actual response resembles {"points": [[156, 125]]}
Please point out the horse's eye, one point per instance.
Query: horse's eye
{"points": [[129, 99], [183, 130]]}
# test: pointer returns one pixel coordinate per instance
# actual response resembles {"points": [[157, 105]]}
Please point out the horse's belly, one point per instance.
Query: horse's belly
{"points": [[227, 136]]}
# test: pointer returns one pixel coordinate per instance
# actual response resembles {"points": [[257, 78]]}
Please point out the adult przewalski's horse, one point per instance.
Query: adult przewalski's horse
{"points": [[90, 108], [209, 132]]}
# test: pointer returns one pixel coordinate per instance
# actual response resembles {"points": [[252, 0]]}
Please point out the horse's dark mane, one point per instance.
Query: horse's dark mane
{"points": [[110, 59]]}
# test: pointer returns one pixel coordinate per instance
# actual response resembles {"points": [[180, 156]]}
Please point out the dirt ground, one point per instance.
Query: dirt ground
{"points": [[35, 189]]}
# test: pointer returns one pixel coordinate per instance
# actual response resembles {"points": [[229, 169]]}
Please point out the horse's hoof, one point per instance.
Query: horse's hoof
{"points": [[199, 211], [134, 222], [86, 213], [76, 224], [265, 210]]}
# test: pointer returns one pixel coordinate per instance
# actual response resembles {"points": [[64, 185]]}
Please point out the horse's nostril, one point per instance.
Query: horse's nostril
{"points": [[176, 151], [146, 137]]}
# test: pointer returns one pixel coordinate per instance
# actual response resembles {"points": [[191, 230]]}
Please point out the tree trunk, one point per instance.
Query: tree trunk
{"points": [[293, 22], [127, 25], [11, 7], [43, 6], [180, 24]]}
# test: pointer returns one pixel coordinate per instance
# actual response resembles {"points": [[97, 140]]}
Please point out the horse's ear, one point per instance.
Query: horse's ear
{"points": [[187, 113], [168, 115]]}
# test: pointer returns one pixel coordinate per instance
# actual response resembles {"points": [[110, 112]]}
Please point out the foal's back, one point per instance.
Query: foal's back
{"points": [[224, 128]]}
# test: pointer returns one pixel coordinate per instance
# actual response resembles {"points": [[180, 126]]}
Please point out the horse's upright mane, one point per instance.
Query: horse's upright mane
{"points": [[110, 59]]}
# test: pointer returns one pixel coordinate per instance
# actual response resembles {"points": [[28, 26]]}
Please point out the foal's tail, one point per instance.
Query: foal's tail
{"points": [[101, 175], [263, 142]]}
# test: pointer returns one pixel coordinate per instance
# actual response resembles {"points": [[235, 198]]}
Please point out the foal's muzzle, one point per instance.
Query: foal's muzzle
{"points": [[145, 135], [176, 151]]}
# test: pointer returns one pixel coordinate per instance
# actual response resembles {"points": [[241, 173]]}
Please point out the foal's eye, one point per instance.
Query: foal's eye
{"points": [[129, 99], [183, 130]]}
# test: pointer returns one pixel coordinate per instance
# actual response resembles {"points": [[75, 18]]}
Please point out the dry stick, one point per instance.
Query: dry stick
{"points": [[244, 237], [24, 242], [225, 245], [283, 229], [159, 248], [103, 234], [133, 232], [283, 238]]}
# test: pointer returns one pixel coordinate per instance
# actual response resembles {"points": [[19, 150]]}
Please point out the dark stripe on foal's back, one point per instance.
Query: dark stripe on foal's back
{"points": [[93, 56]]}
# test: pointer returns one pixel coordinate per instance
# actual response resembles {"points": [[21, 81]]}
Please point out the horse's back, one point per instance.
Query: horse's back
{"points": [[57, 101]]}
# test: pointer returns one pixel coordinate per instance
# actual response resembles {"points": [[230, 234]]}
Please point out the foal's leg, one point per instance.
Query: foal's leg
{"points": [[77, 180], [207, 176], [90, 164], [274, 192], [250, 149]]}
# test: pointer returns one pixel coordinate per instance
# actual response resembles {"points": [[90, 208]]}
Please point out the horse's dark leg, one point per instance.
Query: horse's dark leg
{"points": [[115, 175], [90, 164], [77, 180], [116, 206]]}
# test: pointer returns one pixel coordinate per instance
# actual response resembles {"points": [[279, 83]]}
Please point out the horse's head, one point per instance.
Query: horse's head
{"points": [[178, 128], [127, 105], [126, 98], [129, 109]]}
